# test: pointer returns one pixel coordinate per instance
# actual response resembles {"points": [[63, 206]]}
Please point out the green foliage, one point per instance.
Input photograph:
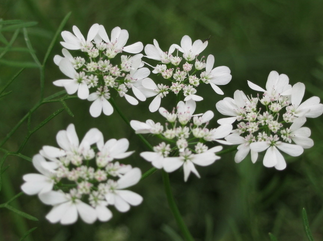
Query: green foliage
{"points": [[231, 202]]}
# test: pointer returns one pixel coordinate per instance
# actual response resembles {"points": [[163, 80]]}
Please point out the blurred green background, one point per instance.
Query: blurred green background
{"points": [[231, 202]]}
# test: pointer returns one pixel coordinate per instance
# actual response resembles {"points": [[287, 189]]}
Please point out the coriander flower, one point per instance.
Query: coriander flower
{"points": [[39, 183], [112, 149], [187, 159], [81, 181], [100, 102], [216, 76], [311, 108], [122, 199], [67, 208], [119, 38], [189, 50], [76, 83], [70, 146], [276, 85], [233, 107], [154, 52], [77, 41], [273, 158]]}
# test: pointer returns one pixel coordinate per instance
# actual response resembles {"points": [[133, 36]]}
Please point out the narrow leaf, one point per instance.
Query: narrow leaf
{"points": [[26, 234], [18, 26], [59, 30], [23, 214], [307, 226], [18, 64], [10, 81]]}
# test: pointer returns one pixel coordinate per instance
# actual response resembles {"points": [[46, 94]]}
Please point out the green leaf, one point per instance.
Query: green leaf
{"points": [[59, 30], [26, 234], [171, 233], [23, 214], [18, 26], [18, 64], [307, 226], [9, 82], [272, 237]]}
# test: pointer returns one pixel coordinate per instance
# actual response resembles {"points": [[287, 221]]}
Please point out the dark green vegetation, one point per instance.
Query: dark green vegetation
{"points": [[231, 202]]}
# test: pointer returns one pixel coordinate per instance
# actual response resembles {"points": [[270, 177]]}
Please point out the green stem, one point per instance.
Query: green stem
{"points": [[172, 205]]}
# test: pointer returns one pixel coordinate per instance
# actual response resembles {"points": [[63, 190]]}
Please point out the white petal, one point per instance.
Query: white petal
{"points": [[259, 146], [96, 108], [154, 105], [93, 32], [53, 152], [36, 183], [121, 205], [209, 63], [216, 89], [155, 158], [70, 215], [131, 100], [171, 164], [255, 87], [290, 149], [129, 179], [103, 34], [87, 213], [53, 198], [107, 107], [83, 91], [57, 212], [242, 152], [297, 93], [204, 159], [130, 197], [138, 94], [134, 48], [67, 68], [270, 158], [189, 167], [103, 213]]}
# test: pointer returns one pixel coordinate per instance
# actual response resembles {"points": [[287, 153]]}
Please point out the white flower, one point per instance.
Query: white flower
{"points": [[66, 54], [273, 158], [119, 38], [77, 41], [232, 107], [300, 135], [39, 183], [143, 128], [187, 160], [189, 50], [69, 143], [100, 103], [67, 208], [311, 108], [77, 83], [276, 85], [112, 149], [243, 147], [122, 199], [216, 76], [154, 52]]}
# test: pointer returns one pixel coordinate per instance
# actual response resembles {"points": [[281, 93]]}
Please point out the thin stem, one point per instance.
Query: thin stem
{"points": [[172, 205]]}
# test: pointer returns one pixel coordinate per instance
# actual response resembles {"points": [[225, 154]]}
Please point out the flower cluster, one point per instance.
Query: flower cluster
{"points": [[183, 74], [96, 68], [76, 180], [271, 122], [184, 136]]}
